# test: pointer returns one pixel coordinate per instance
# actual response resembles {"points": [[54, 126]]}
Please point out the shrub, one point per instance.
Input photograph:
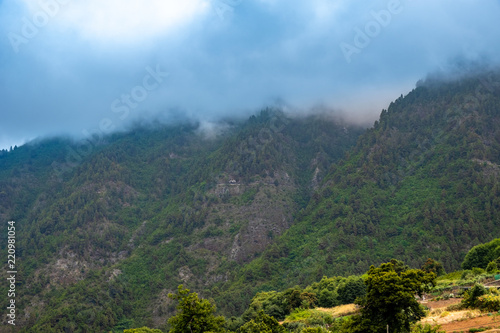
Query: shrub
{"points": [[318, 318], [465, 282], [294, 326], [328, 298], [436, 312], [494, 291], [466, 274], [471, 296], [351, 289], [262, 323], [310, 317], [488, 303], [492, 267], [444, 314], [275, 311], [454, 307], [481, 255], [432, 265], [142, 330], [314, 330], [451, 276], [477, 271], [299, 315], [427, 328]]}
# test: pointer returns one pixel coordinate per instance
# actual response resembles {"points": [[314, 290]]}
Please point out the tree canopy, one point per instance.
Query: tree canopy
{"points": [[432, 265], [390, 299], [262, 324], [142, 330], [194, 315], [481, 255]]}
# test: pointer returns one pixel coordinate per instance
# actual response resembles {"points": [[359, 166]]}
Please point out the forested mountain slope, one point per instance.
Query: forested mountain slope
{"points": [[423, 182], [106, 230]]}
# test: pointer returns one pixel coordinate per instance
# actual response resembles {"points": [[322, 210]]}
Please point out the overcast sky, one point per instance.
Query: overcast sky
{"points": [[70, 66]]}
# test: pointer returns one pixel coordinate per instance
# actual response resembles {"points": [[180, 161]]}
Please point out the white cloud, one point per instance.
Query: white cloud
{"points": [[125, 20], [65, 78]]}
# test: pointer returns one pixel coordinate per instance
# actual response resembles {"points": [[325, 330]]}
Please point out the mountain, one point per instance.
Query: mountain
{"points": [[108, 227], [423, 182]]}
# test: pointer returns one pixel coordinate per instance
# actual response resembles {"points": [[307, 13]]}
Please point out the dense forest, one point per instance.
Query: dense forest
{"points": [[389, 297], [108, 227]]}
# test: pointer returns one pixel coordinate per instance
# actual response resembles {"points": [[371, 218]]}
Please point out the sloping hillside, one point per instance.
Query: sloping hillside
{"points": [[106, 231], [423, 182]]}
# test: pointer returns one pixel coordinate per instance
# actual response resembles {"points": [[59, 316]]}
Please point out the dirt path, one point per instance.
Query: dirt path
{"points": [[459, 321], [441, 304], [479, 322]]}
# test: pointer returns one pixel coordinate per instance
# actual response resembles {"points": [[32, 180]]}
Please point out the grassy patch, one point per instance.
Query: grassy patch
{"points": [[340, 311], [309, 317], [454, 276]]}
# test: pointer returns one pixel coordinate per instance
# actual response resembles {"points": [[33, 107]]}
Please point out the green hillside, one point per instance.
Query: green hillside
{"points": [[104, 236], [423, 182], [106, 229]]}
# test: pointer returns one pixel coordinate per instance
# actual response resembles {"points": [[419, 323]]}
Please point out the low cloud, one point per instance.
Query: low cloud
{"points": [[64, 64]]}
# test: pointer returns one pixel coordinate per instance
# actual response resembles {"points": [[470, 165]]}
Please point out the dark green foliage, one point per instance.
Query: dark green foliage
{"points": [[294, 326], [280, 304], [262, 323], [314, 330], [434, 266], [328, 298], [420, 184], [134, 214], [142, 330], [143, 203], [481, 255], [233, 323], [338, 290], [351, 289], [194, 314], [492, 267], [471, 296], [390, 299], [426, 328]]}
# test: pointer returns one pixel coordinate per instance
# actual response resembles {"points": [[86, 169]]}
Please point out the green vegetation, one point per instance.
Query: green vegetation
{"points": [[471, 296], [433, 266], [106, 229], [309, 317], [390, 299], [194, 315], [262, 323], [420, 184], [280, 304], [482, 255], [427, 328], [338, 290], [142, 330], [142, 212]]}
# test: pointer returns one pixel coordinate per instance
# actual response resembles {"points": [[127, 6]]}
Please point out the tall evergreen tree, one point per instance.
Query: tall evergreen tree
{"points": [[390, 299], [194, 315]]}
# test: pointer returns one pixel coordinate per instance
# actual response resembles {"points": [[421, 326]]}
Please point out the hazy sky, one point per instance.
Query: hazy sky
{"points": [[70, 66]]}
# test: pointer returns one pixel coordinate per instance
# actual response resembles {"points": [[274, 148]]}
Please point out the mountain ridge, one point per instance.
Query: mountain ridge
{"points": [[270, 203], [166, 201]]}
